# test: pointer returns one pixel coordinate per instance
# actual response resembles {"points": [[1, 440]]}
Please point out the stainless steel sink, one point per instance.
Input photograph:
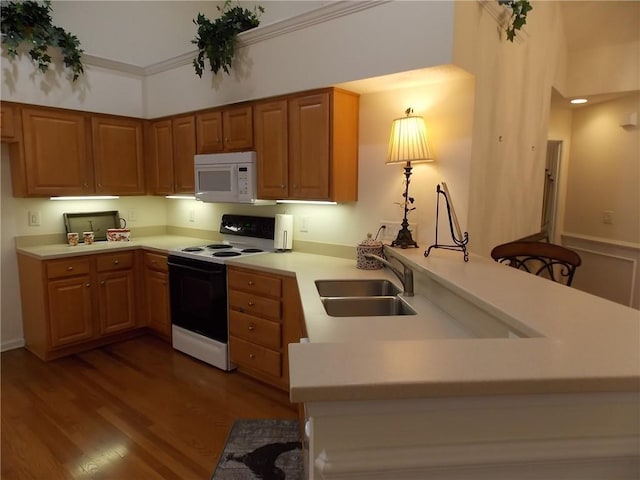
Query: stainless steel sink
{"points": [[366, 306], [356, 288]]}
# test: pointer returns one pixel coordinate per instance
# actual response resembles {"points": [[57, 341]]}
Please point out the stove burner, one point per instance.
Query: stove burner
{"points": [[226, 254], [218, 246], [192, 249], [252, 250]]}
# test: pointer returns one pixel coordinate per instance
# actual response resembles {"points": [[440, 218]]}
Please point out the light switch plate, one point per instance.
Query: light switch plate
{"points": [[34, 218]]}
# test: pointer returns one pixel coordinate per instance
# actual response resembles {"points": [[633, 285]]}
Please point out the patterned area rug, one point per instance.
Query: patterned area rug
{"points": [[264, 449]]}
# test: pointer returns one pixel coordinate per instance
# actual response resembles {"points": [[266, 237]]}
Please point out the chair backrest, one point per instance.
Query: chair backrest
{"points": [[544, 259]]}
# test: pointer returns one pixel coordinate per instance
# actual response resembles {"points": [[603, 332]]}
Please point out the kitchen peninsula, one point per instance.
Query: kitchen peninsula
{"points": [[505, 371], [498, 370]]}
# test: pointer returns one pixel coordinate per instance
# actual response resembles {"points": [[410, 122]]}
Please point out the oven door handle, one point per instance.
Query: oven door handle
{"points": [[199, 270]]}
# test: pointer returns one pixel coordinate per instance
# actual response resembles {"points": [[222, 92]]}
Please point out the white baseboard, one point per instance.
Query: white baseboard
{"points": [[11, 344]]}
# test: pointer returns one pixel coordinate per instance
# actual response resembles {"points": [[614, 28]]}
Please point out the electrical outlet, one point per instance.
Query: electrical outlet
{"points": [[607, 217], [390, 232], [304, 223], [192, 215], [133, 216], [34, 218]]}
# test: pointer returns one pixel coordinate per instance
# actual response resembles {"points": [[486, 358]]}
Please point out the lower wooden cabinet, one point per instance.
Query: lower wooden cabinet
{"points": [[156, 294], [265, 315], [76, 303]]}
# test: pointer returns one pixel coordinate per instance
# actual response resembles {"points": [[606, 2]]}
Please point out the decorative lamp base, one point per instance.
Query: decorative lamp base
{"points": [[404, 239]]}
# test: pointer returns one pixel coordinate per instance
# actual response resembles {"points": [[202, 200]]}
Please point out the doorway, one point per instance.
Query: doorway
{"points": [[550, 195]]}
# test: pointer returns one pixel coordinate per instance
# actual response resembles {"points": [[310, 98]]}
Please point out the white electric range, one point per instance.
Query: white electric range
{"points": [[198, 286]]}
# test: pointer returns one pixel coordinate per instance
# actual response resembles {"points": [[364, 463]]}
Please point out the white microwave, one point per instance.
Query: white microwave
{"points": [[226, 177]]}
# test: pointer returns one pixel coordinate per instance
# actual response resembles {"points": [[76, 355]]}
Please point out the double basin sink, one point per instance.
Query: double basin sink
{"points": [[362, 298]]}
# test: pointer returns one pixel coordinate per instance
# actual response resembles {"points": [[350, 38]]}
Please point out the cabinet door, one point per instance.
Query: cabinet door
{"points": [[209, 132], [237, 127], [157, 302], [272, 149], [70, 310], [116, 300], [57, 156], [118, 155], [8, 123], [184, 149], [309, 147], [160, 157]]}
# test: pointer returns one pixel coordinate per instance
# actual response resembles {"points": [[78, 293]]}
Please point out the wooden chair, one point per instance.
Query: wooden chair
{"points": [[548, 260]]}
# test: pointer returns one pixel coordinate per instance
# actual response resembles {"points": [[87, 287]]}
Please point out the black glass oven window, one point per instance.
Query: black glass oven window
{"points": [[199, 298]]}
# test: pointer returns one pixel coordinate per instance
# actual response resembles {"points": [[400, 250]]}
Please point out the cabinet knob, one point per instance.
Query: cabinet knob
{"points": [[282, 187], [85, 185], [250, 303], [116, 262], [69, 269], [252, 356], [226, 139], [250, 283], [99, 185], [251, 327], [87, 285], [102, 282]]}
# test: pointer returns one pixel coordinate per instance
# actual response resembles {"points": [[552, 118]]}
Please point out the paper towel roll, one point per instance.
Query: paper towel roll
{"points": [[283, 238]]}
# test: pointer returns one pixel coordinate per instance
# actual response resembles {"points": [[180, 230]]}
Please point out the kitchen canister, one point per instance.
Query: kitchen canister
{"points": [[369, 245]]}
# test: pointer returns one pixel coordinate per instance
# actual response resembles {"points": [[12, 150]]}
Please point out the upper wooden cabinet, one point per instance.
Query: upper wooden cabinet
{"points": [[313, 157], [57, 154], [225, 130], [66, 152], [272, 147], [118, 155], [171, 146], [9, 122]]}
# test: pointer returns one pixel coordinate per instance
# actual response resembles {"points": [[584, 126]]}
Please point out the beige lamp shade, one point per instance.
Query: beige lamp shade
{"points": [[408, 141]]}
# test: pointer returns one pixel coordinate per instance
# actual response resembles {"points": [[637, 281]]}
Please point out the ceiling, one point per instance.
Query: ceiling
{"points": [[590, 24]]}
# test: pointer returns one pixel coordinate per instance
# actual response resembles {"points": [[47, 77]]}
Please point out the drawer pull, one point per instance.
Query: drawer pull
{"points": [[251, 327], [116, 262], [252, 356], [69, 269], [250, 283], [250, 303], [87, 285]]}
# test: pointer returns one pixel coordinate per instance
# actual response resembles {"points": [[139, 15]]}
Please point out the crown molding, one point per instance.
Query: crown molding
{"points": [[260, 34]]}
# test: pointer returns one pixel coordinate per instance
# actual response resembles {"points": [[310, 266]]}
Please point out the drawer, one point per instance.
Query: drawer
{"points": [[114, 261], [255, 283], [255, 330], [67, 267], [254, 305], [253, 356], [156, 261]]}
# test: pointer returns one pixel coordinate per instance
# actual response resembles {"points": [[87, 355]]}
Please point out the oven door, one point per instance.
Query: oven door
{"points": [[198, 295]]}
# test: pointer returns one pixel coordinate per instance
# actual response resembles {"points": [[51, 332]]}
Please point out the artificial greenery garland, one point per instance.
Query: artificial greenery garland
{"points": [[217, 39], [519, 11], [30, 22]]}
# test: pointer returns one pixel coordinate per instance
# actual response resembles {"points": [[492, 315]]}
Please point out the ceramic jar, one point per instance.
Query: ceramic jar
{"points": [[369, 246]]}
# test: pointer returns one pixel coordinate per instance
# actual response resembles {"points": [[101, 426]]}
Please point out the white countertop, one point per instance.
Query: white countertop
{"points": [[581, 343]]}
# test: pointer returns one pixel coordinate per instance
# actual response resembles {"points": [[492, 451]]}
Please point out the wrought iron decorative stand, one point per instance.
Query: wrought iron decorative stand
{"points": [[459, 244]]}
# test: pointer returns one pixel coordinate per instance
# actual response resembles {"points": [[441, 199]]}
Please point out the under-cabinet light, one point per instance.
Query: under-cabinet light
{"points": [[181, 197], [88, 197], [308, 202]]}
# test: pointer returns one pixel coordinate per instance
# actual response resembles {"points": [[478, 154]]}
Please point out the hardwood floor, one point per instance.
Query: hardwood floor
{"points": [[131, 410]]}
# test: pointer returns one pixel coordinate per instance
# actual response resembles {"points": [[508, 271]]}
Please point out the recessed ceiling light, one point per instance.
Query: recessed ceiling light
{"points": [[577, 101]]}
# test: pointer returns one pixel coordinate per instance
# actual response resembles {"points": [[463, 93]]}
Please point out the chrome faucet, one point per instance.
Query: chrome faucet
{"points": [[406, 277]]}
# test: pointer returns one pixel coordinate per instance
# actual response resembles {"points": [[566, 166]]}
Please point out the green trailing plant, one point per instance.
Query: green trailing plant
{"points": [[216, 40], [519, 11], [29, 22]]}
